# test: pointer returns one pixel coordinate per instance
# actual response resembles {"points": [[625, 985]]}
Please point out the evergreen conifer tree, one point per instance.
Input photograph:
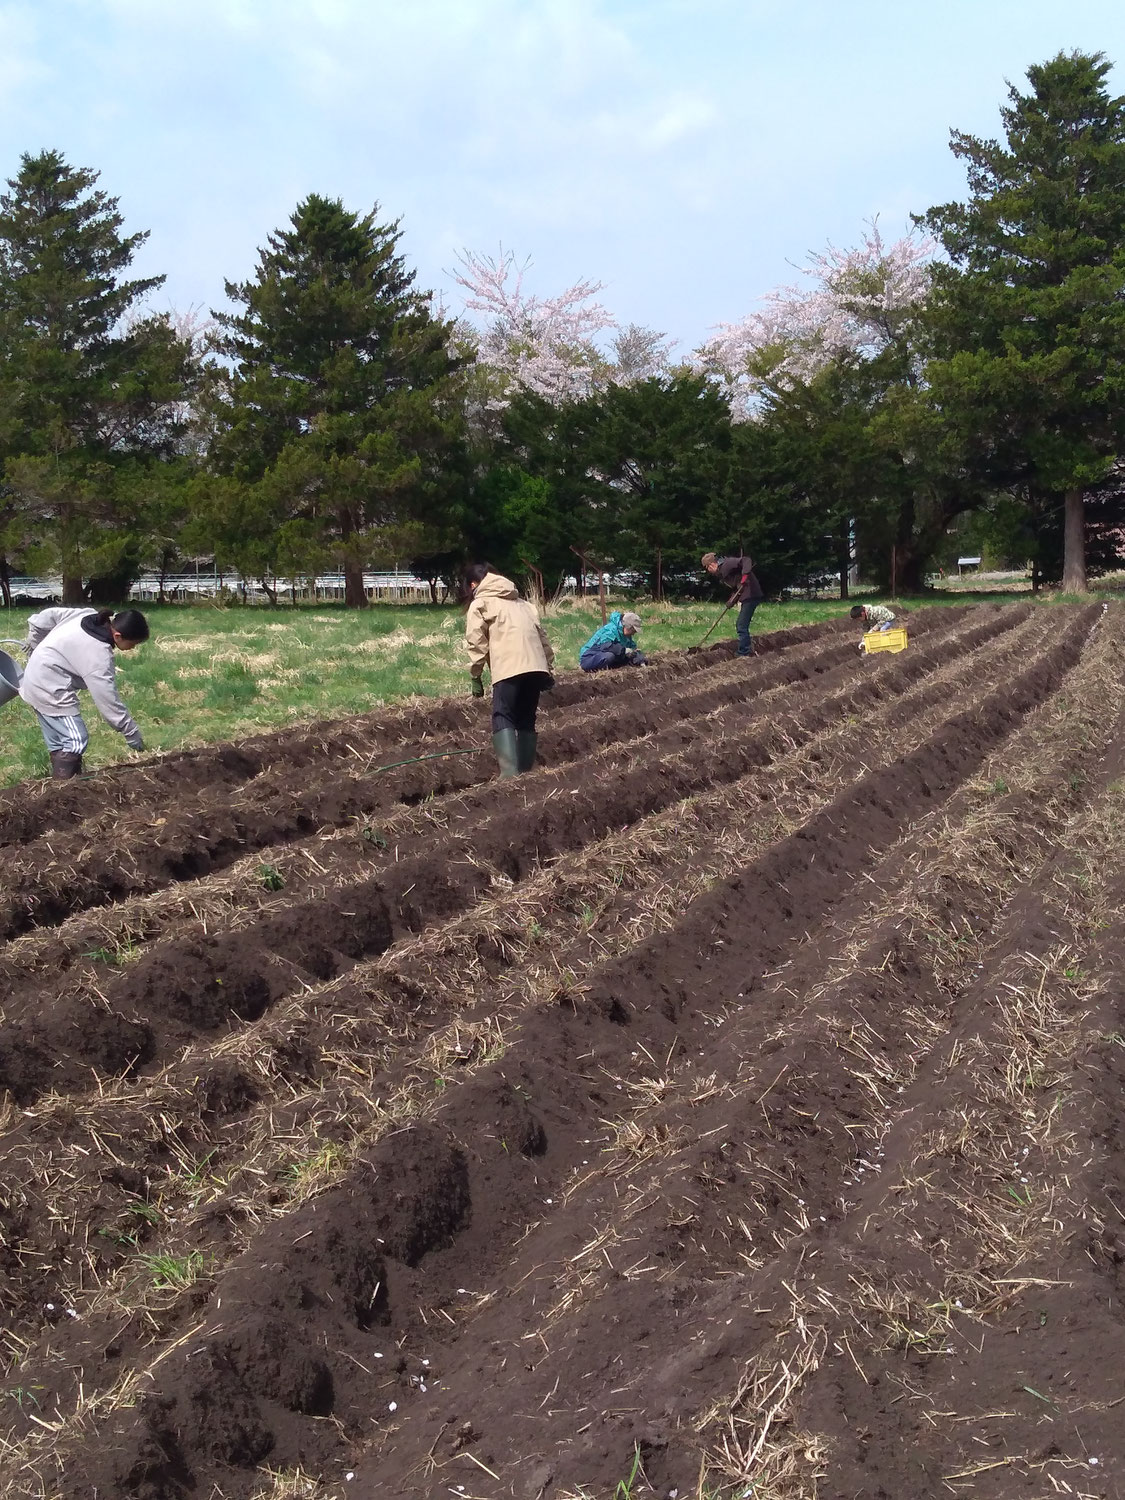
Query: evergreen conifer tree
{"points": [[343, 388], [88, 387], [1030, 315]]}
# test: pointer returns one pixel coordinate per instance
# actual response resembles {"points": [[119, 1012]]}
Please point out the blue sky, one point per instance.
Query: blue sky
{"points": [[684, 152]]}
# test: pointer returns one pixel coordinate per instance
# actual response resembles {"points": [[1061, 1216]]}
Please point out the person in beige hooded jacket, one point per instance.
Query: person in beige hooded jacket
{"points": [[502, 632]]}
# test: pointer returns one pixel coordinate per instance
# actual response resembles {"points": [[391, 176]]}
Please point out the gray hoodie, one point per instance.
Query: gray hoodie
{"points": [[65, 658]]}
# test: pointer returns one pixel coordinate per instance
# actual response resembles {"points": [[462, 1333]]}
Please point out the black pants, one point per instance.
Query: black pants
{"points": [[515, 701]]}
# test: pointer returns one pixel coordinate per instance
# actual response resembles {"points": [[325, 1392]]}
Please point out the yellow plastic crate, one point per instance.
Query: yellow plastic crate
{"points": [[885, 640]]}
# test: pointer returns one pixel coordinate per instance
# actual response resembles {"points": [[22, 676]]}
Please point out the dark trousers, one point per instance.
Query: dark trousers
{"points": [[742, 628], [598, 658], [515, 702]]}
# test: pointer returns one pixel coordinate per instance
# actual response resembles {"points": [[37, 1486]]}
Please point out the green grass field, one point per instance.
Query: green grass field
{"points": [[211, 674]]}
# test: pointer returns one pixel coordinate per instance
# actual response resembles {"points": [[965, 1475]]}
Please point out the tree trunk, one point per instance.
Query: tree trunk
{"points": [[5, 582], [844, 559], [355, 596], [1074, 543], [72, 591]]}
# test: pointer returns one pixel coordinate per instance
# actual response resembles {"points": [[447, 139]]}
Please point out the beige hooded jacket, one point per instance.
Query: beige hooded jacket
{"points": [[502, 632]]}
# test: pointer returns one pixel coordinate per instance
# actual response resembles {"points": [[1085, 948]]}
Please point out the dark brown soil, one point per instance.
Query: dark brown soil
{"points": [[497, 1155]]}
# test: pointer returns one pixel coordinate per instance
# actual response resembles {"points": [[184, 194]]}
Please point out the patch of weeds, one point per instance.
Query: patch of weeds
{"points": [[372, 836], [291, 1484], [1020, 1193], [317, 1168], [534, 930], [24, 1396], [174, 1273], [999, 786], [138, 1215], [122, 952], [196, 1176], [270, 878], [624, 1490]]}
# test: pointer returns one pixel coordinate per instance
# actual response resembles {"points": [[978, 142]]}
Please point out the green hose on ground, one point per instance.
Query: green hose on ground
{"points": [[414, 759]]}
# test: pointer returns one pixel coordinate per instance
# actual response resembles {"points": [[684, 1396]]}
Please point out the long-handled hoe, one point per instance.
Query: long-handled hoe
{"points": [[711, 632]]}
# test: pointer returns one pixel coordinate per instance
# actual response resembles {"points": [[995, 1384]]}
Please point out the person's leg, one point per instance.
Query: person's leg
{"points": [[887, 625], [530, 686], [505, 709], [742, 628], [599, 658], [66, 738]]}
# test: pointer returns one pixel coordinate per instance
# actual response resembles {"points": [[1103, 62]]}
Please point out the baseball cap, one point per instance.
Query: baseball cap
{"points": [[630, 620]]}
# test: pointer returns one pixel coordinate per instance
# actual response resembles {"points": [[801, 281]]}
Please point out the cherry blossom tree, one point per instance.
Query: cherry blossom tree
{"points": [[548, 346], [639, 353], [856, 302]]}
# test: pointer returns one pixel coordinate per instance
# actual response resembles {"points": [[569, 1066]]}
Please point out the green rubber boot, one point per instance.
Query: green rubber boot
{"points": [[506, 744], [526, 741]]}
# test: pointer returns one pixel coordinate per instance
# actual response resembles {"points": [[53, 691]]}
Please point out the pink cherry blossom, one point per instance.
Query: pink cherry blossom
{"points": [[549, 345], [857, 301]]}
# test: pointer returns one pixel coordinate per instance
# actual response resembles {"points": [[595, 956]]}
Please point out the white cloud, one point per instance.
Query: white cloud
{"points": [[681, 150]]}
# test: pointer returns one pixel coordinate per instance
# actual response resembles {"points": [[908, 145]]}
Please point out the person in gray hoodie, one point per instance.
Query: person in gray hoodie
{"points": [[72, 649]]}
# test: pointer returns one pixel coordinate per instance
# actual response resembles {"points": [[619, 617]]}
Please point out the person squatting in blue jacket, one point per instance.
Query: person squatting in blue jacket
{"points": [[612, 644]]}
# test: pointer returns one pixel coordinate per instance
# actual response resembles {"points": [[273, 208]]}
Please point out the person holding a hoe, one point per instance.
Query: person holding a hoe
{"points": [[502, 632], [737, 574]]}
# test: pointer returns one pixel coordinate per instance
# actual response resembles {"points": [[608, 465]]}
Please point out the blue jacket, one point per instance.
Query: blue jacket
{"points": [[609, 634]]}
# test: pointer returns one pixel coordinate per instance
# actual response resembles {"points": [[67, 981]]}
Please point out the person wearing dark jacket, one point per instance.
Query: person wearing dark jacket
{"points": [[737, 574], [72, 649]]}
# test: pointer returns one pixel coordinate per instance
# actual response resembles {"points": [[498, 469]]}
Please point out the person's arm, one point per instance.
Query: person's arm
{"points": [[548, 649], [476, 639], [40, 625], [101, 683], [730, 576], [749, 587]]}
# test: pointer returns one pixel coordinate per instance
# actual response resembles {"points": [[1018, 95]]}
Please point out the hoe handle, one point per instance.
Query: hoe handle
{"points": [[717, 623]]}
